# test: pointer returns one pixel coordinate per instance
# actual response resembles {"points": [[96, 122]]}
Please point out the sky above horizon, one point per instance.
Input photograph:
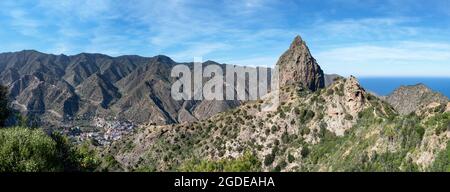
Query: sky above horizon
{"points": [[347, 37]]}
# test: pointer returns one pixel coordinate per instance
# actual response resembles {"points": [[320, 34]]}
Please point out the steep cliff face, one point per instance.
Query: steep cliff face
{"points": [[297, 66], [407, 99]]}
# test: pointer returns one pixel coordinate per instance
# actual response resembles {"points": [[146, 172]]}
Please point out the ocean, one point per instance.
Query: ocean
{"points": [[386, 85]]}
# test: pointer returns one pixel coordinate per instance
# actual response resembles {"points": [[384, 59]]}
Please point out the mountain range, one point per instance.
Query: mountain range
{"points": [[321, 123], [60, 88]]}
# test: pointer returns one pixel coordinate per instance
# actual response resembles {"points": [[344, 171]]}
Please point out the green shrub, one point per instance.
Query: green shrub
{"points": [[306, 115], [282, 115], [276, 169], [440, 121], [31, 150], [25, 150], [348, 117], [292, 121], [330, 92], [246, 163], [304, 152], [285, 138], [309, 115], [267, 131], [268, 160], [340, 90], [421, 131], [322, 100], [290, 158], [320, 116], [442, 161], [297, 111], [282, 164], [305, 131], [274, 128]]}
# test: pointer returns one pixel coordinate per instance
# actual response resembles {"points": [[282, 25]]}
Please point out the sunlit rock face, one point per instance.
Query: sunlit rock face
{"points": [[298, 67]]}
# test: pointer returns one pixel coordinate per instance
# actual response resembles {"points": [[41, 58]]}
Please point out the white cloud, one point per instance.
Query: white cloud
{"points": [[246, 7], [395, 58]]}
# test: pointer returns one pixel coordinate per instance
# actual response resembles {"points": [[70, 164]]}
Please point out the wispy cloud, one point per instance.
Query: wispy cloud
{"points": [[367, 35], [373, 29], [387, 59]]}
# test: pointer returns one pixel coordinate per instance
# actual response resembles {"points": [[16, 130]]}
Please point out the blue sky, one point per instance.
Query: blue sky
{"points": [[359, 37]]}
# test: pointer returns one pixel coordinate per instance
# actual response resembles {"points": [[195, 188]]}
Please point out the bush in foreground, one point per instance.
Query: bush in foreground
{"points": [[246, 163], [31, 150]]}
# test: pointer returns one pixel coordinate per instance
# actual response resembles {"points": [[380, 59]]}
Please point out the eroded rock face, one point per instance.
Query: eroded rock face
{"points": [[355, 96], [297, 66], [447, 109], [344, 105]]}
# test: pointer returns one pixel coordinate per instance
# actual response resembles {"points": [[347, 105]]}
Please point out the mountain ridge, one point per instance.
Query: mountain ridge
{"points": [[340, 127], [418, 96], [80, 81]]}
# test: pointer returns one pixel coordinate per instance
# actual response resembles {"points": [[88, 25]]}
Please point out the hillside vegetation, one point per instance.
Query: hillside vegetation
{"points": [[31, 150], [339, 128]]}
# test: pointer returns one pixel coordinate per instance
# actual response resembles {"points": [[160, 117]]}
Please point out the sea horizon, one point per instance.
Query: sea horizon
{"points": [[386, 85]]}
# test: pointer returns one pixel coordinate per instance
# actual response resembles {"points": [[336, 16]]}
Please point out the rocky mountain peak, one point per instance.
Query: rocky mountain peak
{"points": [[298, 41], [163, 59], [407, 99], [298, 67], [30, 51]]}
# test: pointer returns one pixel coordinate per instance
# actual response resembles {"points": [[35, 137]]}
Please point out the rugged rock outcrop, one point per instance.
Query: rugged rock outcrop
{"points": [[407, 99], [297, 66], [344, 99], [355, 95]]}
